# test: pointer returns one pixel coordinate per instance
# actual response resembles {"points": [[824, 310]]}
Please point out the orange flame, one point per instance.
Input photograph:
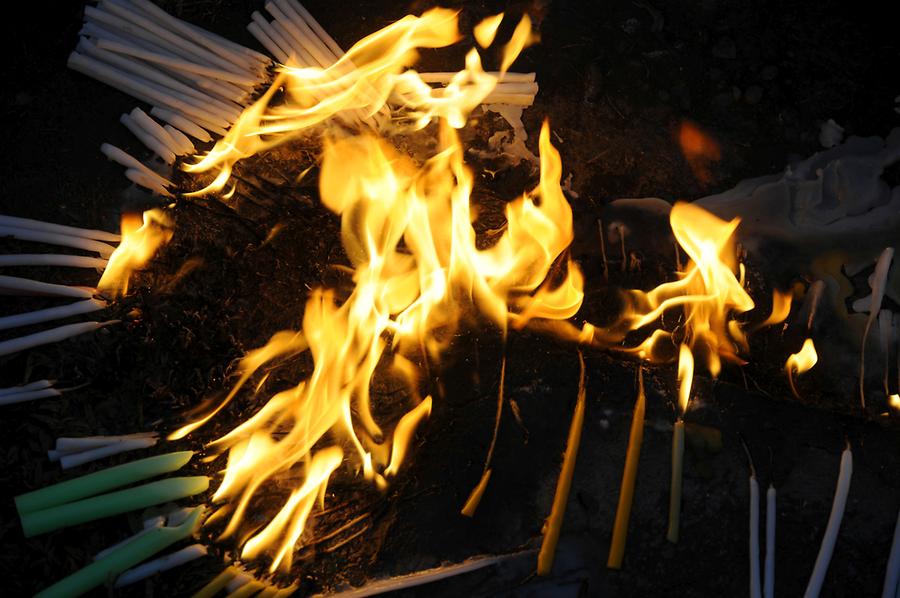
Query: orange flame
{"points": [[800, 362], [699, 149], [141, 238]]}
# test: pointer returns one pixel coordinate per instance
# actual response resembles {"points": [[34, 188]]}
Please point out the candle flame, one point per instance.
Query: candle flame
{"points": [[142, 235], [800, 362]]}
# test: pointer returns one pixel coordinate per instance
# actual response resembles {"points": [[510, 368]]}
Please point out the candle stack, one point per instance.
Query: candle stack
{"points": [[94, 241], [28, 392], [515, 89]]}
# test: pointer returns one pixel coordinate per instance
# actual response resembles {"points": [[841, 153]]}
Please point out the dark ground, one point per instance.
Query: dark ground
{"points": [[617, 78]]}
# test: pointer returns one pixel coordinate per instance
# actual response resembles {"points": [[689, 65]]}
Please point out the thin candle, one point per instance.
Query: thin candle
{"points": [[685, 378], [37, 385], [54, 335], [98, 572], [52, 259], [755, 590], [31, 395], [626, 493], [60, 229], [553, 525], [163, 563], [69, 461], [216, 584], [114, 503], [769, 573], [13, 285], [72, 445], [52, 313], [101, 481], [54, 238], [834, 525], [892, 571]]}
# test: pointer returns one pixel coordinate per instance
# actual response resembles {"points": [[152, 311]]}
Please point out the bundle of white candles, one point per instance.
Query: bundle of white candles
{"points": [[28, 392], [25, 229], [72, 452], [197, 82], [515, 89]]}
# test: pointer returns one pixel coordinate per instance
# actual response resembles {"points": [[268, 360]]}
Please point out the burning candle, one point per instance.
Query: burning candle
{"points": [[685, 377], [834, 525], [626, 493], [54, 335], [800, 362], [769, 573], [52, 313], [129, 555], [892, 571], [553, 525], [113, 503], [100, 481]]}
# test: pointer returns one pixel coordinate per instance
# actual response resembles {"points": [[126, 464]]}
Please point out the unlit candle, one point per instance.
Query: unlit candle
{"points": [[51, 313], [60, 229], [769, 571], [37, 385], [755, 590], [163, 563], [52, 259], [54, 238], [31, 395], [834, 525], [892, 571], [69, 461], [14, 285], [54, 335]]}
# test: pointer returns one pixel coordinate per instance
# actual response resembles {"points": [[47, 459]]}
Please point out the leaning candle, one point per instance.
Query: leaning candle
{"points": [[626, 494], [755, 591], [52, 259], [53, 238], [31, 395], [73, 445], [129, 555], [60, 229], [107, 505], [769, 577], [38, 385], [163, 563], [52, 313], [75, 459], [107, 479], [13, 285], [54, 335], [834, 525], [553, 525], [149, 525], [892, 572]]}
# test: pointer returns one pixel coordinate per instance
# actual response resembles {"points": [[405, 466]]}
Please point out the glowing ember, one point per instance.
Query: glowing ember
{"points": [[141, 237], [699, 149], [800, 362]]}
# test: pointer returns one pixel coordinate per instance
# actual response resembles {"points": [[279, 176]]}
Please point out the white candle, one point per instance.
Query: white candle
{"points": [[287, 51], [184, 144], [163, 563], [52, 259], [59, 229], [139, 177], [37, 385], [128, 161], [51, 313], [176, 64], [147, 139], [54, 335], [305, 37], [319, 30], [155, 129], [268, 43], [769, 576], [32, 395], [296, 52], [69, 445], [144, 90], [445, 77], [754, 538], [892, 571], [513, 99], [51, 238], [71, 460], [182, 122], [13, 285], [834, 525]]}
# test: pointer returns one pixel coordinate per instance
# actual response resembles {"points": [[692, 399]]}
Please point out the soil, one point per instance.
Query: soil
{"points": [[617, 80]]}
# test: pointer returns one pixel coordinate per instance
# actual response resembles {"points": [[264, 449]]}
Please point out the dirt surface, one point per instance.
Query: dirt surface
{"points": [[617, 81]]}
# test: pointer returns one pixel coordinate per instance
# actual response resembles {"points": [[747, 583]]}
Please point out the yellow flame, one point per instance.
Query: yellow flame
{"points": [[894, 401], [781, 308], [685, 378], [486, 30], [141, 237], [708, 293], [800, 362], [372, 76]]}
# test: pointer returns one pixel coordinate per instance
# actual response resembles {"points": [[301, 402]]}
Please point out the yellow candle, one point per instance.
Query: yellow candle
{"points": [[553, 526], [675, 495], [626, 494]]}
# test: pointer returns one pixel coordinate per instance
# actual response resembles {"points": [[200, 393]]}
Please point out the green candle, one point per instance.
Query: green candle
{"points": [[98, 572], [218, 582], [101, 481], [106, 505]]}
